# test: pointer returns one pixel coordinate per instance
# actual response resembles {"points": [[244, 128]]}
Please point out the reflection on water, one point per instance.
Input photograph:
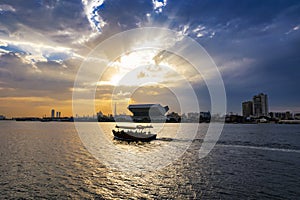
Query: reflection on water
{"points": [[137, 157], [49, 160]]}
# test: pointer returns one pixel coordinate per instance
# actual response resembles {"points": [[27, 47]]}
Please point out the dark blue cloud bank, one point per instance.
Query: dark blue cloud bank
{"points": [[255, 43]]}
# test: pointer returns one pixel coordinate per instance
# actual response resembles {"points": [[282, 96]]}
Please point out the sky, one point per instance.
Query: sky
{"points": [[254, 44]]}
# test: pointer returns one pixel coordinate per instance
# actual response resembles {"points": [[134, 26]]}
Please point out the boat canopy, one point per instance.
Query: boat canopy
{"points": [[137, 127]]}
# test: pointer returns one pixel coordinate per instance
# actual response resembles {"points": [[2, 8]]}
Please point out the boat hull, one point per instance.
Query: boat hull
{"points": [[132, 136]]}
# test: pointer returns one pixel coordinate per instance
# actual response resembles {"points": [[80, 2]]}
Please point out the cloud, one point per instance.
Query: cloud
{"points": [[21, 79], [63, 22], [158, 5], [92, 8], [33, 53], [6, 8], [295, 28]]}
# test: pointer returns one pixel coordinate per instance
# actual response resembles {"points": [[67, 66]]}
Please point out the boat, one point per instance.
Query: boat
{"points": [[131, 134]]}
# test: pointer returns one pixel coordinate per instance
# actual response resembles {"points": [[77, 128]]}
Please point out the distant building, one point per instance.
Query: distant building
{"points": [[193, 117], [282, 115], [297, 116], [247, 108], [148, 112], [278, 115], [289, 115], [58, 114], [260, 105], [52, 113], [196, 117], [122, 118], [234, 118], [104, 118], [184, 118], [205, 117], [173, 117], [99, 114]]}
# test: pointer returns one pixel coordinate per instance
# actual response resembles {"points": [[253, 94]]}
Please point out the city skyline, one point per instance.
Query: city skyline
{"points": [[253, 43], [256, 107]]}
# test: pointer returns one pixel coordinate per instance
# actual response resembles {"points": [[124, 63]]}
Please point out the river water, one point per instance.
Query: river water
{"points": [[49, 160]]}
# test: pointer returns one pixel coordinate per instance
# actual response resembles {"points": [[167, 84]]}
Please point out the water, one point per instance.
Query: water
{"points": [[48, 160]]}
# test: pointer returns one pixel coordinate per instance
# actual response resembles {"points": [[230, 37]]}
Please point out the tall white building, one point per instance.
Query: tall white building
{"points": [[260, 105]]}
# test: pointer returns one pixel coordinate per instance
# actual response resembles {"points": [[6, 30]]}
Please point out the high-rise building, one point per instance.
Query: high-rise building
{"points": [[58, 114], [247, 107], [260, 105], [52, 113]]}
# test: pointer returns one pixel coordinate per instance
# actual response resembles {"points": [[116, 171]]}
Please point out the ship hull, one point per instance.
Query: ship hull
{"points": [[132, 136]]}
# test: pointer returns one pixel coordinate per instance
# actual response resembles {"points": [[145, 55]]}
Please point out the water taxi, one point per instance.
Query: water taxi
{"points": [[137, 133]]}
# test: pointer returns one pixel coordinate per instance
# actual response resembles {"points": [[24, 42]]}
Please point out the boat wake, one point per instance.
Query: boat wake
{"points": [[259, 148], [165, 139], [239, 144]]}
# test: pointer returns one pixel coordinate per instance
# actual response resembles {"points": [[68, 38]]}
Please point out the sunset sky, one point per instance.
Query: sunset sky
{"points": [[255, 45]]}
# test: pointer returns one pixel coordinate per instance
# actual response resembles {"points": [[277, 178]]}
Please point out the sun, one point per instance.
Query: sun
{"points": [[129, 62], [115, 79]]}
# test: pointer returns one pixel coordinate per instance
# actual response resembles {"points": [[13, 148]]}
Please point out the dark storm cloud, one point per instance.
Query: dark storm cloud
{"points": [[40, 15], [234, 15], [47, 17]]}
